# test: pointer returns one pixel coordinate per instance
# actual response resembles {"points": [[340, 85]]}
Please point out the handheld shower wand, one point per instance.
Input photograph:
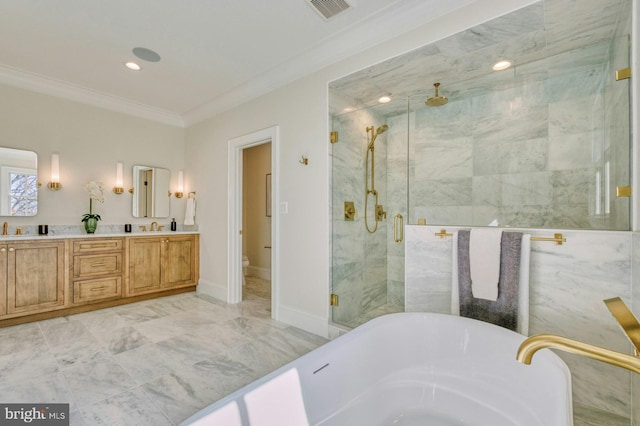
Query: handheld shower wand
{"points": [[380, 214]]}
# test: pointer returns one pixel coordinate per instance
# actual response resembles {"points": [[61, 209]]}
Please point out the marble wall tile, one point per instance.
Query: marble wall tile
{"points": [[572, 151], [438, 162], [519, 125], [635, 308], [570, 86], [443, 192], [570, 24], [503, 29], [527, 189], [567, 286]]}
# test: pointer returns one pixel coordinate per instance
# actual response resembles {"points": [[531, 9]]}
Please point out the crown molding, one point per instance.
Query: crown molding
{"points": [[341, 45], [38, 83]]}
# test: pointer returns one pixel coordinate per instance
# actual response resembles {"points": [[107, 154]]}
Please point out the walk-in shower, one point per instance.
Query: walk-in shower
{"points": [[543, 144], [370, 181]]}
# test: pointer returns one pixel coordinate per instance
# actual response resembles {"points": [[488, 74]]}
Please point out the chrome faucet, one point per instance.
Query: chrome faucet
{"points": [[154, 224]]}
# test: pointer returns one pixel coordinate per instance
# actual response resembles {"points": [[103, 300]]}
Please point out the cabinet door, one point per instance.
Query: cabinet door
{"points": [[145, 263], [3, 279], [179, 261], [35, 276]]}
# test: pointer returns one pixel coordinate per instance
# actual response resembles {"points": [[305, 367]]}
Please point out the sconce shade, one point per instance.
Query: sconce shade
{"points": [[180, 190], [55, 184], [119, 188]]}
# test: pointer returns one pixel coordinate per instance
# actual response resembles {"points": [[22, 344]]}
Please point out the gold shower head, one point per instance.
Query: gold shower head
{"points": [[437, 100], [382, 129]]}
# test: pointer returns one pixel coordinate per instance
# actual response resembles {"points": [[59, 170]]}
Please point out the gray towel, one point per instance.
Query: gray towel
{"points": [[503, 311]]}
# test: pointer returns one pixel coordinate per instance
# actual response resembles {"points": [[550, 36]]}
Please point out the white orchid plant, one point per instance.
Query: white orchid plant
{"points": [[96, 192]]}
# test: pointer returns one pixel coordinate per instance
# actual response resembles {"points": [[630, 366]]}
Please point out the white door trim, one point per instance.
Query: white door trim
{"points": [[234, 239]]}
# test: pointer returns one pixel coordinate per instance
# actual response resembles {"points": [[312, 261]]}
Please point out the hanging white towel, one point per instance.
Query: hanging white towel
{"points": [[484, 262], [190, 212], [523, 286]]}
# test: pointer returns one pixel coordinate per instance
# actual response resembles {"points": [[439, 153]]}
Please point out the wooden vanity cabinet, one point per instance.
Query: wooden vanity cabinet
{"points": [[162, 263], [34, 275], [46, 278], [98, 269]]}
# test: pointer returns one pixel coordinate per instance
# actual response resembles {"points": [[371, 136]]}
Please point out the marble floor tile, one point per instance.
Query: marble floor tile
{"points": [[147, 363], [132, 407], [198, 351], [21, 339], [178, 396], [123, 339], [26, 365], [77, 351], [49, 388], [94, 381]]}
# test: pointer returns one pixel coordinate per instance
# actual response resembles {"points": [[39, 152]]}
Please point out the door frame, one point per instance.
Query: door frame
{"points": [[234, 239]]}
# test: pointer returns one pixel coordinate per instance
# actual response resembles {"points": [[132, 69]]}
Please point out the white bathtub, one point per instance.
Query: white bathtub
{"points": [[407, 369]]}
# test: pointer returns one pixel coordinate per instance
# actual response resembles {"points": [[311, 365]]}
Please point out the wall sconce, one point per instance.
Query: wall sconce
{"points": [[180, 192], [55, 184], [119, 188]]}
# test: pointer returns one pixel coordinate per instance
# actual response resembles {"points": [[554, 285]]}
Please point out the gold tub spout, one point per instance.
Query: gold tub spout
{"points": [[533, 344]]}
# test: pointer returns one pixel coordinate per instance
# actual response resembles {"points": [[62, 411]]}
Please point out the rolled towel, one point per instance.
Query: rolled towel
{"points": [[484, 262], [190, 212]]}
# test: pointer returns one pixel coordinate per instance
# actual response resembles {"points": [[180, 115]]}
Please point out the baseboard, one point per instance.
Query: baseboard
{"points": [[212, 290], [311, 323], [254, 271], [337, 331]]}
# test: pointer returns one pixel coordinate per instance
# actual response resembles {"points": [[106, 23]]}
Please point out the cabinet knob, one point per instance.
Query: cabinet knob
{"points": [[2, 250], [12, 249]]}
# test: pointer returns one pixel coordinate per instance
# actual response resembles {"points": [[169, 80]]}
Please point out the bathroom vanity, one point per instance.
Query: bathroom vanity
{"points": [[46, 277]]}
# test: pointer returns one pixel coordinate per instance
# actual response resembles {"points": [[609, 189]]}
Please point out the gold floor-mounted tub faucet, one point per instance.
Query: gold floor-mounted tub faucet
{"points": [[625, 318]]}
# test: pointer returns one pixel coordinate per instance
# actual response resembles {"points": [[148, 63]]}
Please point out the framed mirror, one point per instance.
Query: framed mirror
{"points": [[150, 191], [18, 182]]}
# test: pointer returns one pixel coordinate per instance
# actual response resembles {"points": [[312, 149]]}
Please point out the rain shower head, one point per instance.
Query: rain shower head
{"points": [[437, 100]]}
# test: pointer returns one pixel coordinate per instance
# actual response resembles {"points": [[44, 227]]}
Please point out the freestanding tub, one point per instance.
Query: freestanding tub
{"points": [[407, 369]]}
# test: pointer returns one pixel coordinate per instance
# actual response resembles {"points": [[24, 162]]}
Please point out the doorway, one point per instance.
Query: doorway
{"points": [[256, 226], [253, 180]]}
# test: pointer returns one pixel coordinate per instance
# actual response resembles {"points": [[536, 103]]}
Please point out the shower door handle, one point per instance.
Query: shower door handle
{"points": [[398, 228]]}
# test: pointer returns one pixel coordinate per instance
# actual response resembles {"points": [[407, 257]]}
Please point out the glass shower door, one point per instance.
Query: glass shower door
{"points": [[369, 210]]}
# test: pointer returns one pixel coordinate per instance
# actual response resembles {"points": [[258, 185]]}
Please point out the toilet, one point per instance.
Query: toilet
{"points": [[245, 265]]}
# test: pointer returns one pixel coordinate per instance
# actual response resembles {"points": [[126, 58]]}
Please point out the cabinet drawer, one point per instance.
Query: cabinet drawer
{"points": [[103, 288], [95, 245], [98, 264]]}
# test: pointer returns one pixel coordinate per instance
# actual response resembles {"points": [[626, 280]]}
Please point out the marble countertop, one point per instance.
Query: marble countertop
{"points": [[52, 236]]}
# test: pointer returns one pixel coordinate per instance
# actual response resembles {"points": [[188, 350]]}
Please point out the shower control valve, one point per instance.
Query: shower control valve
{"points": [[380, 213]]}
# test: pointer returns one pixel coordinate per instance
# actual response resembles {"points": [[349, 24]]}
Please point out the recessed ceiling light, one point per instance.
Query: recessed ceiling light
{"points": [[132, 66], [502, 65], [384, 99]]}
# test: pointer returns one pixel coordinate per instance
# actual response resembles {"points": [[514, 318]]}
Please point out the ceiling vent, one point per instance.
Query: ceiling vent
{"points": [[329, 8]]}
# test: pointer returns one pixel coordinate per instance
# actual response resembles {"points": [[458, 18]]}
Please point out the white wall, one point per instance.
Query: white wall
{"points": [[300, 109], [90, 141]]}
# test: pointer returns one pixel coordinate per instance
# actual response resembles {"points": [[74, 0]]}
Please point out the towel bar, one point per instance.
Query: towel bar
{"points": [[557, 238], [443, 234]]}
